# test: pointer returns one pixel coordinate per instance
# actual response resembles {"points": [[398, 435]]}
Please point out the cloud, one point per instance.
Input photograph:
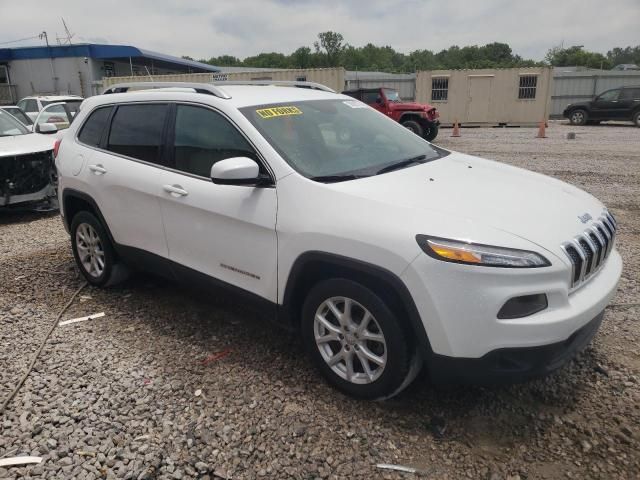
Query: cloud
{"points": [[203, 28]]}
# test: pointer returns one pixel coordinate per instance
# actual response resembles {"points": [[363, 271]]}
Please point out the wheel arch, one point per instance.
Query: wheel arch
{"points": [[74, 201], [314, 266]]}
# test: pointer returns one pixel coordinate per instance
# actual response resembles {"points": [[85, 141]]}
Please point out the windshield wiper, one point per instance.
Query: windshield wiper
{"points": [[334, 178], [401, 164]]}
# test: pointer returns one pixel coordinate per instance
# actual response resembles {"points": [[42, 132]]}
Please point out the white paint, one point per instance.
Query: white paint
{"points": [[81, 319]]}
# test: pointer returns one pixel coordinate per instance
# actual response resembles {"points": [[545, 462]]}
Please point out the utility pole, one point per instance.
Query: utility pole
{"points": [[54, 78]]}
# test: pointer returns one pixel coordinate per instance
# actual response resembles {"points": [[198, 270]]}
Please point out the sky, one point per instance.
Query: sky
{"points": [[207, 28]]}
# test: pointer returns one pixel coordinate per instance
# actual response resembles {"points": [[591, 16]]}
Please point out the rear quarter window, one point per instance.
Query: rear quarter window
{"points": [[93, 128]]}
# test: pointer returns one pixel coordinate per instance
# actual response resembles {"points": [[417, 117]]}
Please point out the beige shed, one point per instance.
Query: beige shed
{"points": [[488, 97]]}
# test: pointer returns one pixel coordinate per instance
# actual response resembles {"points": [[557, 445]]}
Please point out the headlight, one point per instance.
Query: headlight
{"points": [[476, 254]]}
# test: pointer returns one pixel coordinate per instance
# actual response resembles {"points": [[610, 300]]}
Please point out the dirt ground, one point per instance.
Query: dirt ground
{"points": [[171, 384]]}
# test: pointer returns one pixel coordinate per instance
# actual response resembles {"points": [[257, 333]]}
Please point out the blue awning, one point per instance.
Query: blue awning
{"points": [[93, 50]]}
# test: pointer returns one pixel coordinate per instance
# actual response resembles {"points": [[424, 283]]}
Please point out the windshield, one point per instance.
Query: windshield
{"points": [[325, 138], [392, 95], [9, 126]]}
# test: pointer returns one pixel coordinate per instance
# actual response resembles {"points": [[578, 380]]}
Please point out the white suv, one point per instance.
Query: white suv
{"points": [[386, 252]]}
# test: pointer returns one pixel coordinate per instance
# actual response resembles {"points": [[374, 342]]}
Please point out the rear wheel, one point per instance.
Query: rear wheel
{"points": [[356, 340], [636, 118], [414, 126], [578, 117], [93, 251]]}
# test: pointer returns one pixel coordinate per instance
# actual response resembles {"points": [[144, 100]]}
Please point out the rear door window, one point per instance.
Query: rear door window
{"points": [[30, 106], [371, 97], [630, 94], [136, 131], [94, 127]]}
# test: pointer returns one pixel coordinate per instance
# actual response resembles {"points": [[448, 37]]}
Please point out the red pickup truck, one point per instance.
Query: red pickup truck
{"points": [[421, 119]]}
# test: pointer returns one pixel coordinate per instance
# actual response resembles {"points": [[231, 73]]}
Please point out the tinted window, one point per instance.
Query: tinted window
{"points": [[204, 137], [370, 97], [630, 94], [92, 129], [136, 131]]}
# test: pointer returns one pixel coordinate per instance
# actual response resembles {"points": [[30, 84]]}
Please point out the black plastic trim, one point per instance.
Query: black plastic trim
{"points": [[512, 365], [287, 315], [71, 193]]}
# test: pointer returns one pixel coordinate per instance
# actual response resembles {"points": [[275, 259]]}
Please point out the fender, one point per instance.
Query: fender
{"points": [[366, 270]]}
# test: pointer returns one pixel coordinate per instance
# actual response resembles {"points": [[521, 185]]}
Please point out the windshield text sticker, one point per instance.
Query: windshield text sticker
{"points": [[278, 112]]}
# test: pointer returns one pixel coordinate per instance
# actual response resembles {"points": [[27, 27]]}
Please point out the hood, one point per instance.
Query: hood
{"points": [[24, 144], [409, 106], [473, 191]]}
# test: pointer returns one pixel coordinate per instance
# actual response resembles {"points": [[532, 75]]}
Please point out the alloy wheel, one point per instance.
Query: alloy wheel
{"points": [[350, 340], [90, 250]]}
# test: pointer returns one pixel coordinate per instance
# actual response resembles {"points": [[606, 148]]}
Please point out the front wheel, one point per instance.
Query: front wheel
{"points": [[431, 132], [414, 126], [356, 340], [578, 117], [636, 118]]}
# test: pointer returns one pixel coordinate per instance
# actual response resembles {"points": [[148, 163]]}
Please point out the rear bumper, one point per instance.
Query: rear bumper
{"points": [[512, 365]]}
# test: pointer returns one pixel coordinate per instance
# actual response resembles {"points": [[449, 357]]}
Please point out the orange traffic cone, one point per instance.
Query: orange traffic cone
{"points": [[456, 130], [541, 131]]}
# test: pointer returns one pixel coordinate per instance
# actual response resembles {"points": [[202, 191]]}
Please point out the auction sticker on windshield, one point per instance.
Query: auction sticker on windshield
{"points": [[278, 112]]}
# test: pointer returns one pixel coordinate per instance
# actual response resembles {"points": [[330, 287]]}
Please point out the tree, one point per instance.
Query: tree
{"points": [[331, 44], [619, 55], [576, 56], [301, 58]]}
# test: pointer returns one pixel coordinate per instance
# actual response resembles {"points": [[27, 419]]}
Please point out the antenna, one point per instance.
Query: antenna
{"points": [[68, 35]]}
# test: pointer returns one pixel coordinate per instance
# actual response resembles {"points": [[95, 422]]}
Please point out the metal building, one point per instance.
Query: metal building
{"points": [[79, 69], [571, 86], [331, 77], [403, 83], [491, 97]]}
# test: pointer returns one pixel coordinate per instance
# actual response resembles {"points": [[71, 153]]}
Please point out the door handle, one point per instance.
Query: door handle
{"points": [[98, 169], [175, 190]]}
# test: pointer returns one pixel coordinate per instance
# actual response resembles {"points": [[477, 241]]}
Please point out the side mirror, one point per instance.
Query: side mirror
{"points": [[46, 128], [238, 171]]}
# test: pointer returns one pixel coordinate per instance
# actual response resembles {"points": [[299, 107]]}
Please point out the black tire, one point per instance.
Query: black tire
{"points": [[414, 126], [112, 272], [431, 132], [636, 118], [400, 367], [578, 116]]}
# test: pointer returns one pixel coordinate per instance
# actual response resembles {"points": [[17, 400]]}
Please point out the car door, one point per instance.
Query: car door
{"points": [[54, 113], [606, 106], [222, 231], [629, 100], [374, 99], [123, 173]]}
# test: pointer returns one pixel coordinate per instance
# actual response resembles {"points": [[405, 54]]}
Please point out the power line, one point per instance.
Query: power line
{"points": [[20, 40]]}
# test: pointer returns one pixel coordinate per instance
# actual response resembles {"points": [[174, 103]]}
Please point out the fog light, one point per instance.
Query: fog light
{"points": [[518, 307]]}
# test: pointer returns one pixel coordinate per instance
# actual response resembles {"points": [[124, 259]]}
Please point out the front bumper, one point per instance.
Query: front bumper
{"points": [[459, 304], [512, 365]]}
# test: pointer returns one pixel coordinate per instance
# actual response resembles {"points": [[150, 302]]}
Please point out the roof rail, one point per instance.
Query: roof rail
{"points": [[212, 88], [205, 88], [278, 83]]}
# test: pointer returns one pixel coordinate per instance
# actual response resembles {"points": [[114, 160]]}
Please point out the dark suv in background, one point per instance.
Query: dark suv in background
{"points": [[616, 104]]}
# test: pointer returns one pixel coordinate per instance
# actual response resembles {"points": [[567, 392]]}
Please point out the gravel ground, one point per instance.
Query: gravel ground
{"points": [[173, 385]]}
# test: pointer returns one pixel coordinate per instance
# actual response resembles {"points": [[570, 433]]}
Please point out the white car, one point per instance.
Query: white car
{"points": [[32, 106], [18, 114], [386, 252], [27, 169]]}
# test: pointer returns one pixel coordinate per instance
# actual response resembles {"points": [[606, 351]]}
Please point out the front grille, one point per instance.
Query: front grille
{"points": [[589, 250]]}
